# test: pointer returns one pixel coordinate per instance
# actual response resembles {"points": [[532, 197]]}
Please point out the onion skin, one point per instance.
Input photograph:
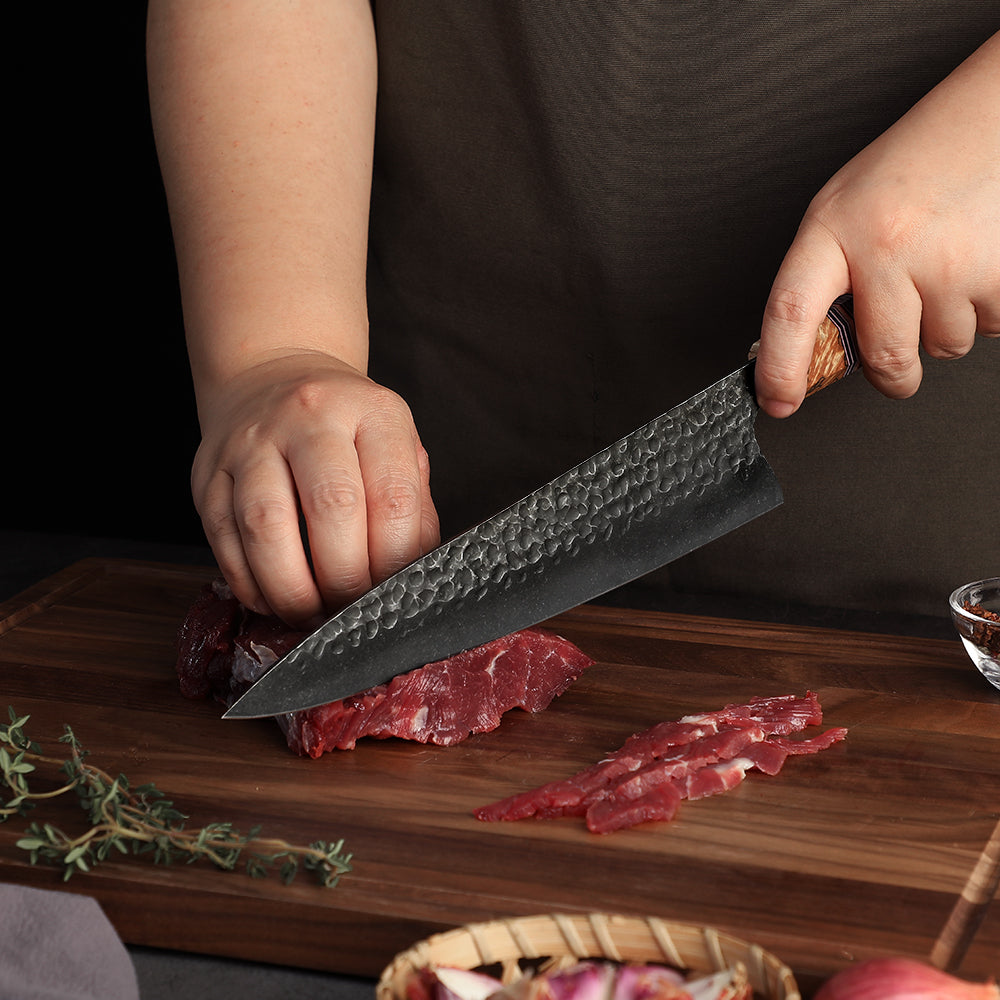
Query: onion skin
{"points": [[902, 979]]}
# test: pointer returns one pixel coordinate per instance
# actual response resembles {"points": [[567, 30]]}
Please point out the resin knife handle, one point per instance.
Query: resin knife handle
{"points": [[835, 354]]}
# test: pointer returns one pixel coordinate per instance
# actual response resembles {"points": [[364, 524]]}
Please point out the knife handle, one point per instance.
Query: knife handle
{"points": [[835, 354]]}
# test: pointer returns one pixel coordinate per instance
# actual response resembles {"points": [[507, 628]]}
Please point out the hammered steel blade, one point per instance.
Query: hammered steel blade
{"points": [[680, 481]]}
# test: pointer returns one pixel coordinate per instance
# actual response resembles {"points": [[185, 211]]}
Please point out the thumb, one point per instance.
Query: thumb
{"points": [[813, 274]]}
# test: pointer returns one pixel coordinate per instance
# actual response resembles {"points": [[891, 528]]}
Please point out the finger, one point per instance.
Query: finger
{"points": [[430, 527], [395, 490], [813, 273], [214, 503], [947, 326], [988, 314], [331, 491], [266, 509], [887, 316]]}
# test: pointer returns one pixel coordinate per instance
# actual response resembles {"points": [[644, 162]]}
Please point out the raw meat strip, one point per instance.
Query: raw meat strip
{"points": [[723, 745], [659, 804], [567, 797], [571, 796], [781, 715], [658, 800], [651, 774], [223, 648]]}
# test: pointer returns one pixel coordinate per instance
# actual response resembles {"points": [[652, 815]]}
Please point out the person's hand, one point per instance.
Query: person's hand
{"points": [[911, 226], [307, 434]]}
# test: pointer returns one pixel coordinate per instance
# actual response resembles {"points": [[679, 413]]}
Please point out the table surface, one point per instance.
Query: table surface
{"points": [[887, 843]]}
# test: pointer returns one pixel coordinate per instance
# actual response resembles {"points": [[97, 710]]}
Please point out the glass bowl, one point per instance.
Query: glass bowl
{"points": [[975, 610]]}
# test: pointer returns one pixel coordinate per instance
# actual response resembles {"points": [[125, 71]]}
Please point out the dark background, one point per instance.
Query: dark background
{"points": [[98, 411]]}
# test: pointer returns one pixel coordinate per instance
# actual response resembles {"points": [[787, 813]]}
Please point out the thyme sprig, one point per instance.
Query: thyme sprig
{"points": [[139, 820]]}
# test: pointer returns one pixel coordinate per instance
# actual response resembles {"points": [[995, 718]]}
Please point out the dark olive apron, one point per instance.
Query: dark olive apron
{"points": [[578, 210]]}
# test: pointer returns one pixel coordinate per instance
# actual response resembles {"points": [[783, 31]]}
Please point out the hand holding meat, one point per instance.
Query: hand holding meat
{"points": [[911, 225], [267, 167], [308, 434]]}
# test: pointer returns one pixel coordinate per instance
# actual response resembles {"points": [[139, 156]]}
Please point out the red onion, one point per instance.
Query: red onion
{"points": [[902, 979]]}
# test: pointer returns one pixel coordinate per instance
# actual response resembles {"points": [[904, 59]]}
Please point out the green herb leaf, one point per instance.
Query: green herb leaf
{"points": [[141, 820]]}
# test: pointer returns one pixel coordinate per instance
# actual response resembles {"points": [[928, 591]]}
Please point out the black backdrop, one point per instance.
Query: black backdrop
{"points": [[98, 415]]}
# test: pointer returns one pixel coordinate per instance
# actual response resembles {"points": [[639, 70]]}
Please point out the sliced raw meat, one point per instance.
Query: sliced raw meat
{"points": [[444, 702], [659, 804], [571, 796], [814, 744], [655, 770], [787, 713], [656, 790], [708, 750], [223, 648], [568, 797]]}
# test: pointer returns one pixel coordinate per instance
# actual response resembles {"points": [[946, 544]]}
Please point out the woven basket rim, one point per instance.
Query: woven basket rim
{"points": [[616, 937]]}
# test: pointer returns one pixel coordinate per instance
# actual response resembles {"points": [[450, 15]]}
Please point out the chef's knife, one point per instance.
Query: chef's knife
{"points": [[687, 477]]}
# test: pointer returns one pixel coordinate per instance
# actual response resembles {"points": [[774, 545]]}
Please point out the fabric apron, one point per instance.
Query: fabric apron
{"points": [[578, 210]]}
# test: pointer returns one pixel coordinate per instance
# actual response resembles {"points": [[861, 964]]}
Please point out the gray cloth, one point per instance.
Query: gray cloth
{"points": [[60, 946], [578, 209]]}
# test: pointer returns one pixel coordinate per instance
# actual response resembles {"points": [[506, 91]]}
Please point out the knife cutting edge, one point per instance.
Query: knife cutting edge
{"points": [[678, 482]]}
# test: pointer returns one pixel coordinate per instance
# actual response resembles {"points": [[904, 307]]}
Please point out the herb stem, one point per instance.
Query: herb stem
{"points": [[139, 820]]}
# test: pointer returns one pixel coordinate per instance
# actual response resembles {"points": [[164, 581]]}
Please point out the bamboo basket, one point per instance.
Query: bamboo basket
{"points": [[514, 942]]}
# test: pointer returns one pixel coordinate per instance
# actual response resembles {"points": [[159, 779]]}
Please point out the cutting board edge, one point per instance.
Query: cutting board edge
{"points": [[53, 588]]}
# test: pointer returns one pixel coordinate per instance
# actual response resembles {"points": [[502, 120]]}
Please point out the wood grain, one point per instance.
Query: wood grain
{"points": [[863, 850]]}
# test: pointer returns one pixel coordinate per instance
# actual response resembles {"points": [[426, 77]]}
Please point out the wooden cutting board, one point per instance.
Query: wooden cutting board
{"points": [[862, 850]]}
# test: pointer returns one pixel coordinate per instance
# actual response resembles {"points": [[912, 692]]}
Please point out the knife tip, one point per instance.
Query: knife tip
{"points": [[239, 710]]}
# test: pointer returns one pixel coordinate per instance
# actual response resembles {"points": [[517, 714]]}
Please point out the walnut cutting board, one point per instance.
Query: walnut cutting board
{"points": [[862, 850]]}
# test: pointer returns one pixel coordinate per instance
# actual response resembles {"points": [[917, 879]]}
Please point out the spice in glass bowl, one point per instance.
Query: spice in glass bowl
{"points": [[986, 634], [975, 610]]}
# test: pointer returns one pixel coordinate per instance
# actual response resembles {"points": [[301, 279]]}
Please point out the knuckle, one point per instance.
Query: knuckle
{"points": [[218, 523], [346, 584], [340, 576], [309, 398], [396, 500], [209, 481], [790, 306], [382, 397], [780, 377], [947, 351], [335, 498], [266, 519], [217, 517], [385, 408], [894, 231], [296, 601], [891, 364]]}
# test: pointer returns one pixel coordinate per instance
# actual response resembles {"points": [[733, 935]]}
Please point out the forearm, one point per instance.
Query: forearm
{"points": [[264, 120]]}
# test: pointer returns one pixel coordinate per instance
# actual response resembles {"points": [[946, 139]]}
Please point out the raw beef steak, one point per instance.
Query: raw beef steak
{"points": [[223, 648]]}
